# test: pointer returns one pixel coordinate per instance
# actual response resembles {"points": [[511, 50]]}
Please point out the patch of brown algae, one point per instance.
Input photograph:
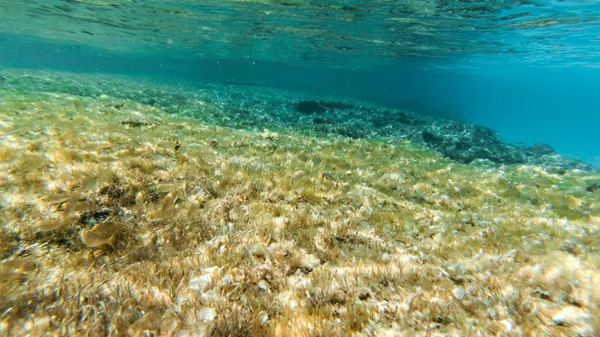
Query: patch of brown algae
{"points": [[118, 219]]}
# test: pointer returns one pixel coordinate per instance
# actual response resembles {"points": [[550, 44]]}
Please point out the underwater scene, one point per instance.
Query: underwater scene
{"points": [[299, 168]]}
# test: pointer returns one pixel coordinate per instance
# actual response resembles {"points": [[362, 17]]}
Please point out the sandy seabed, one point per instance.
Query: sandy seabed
{"points": [[118, 218]]}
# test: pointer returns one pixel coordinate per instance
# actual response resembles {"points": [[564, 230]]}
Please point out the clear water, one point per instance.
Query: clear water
{"points": [[233, 168], [527, 69]]}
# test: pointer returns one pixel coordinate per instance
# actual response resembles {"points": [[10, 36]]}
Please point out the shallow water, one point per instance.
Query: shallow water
{"points": [[296, 168], [526, 69], [359, 32]]}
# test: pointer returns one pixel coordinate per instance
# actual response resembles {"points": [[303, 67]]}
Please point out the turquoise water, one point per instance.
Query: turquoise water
{"points": [[527, 69], [299, 168]]}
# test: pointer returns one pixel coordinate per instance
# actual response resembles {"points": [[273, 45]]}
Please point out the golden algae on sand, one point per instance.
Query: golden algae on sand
{"points": [[231, 232]]}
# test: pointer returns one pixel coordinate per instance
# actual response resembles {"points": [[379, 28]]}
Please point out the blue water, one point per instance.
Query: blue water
{"points": [[527, 69]]}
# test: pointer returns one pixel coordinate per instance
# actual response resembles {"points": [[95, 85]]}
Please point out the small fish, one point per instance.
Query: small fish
{"points": [[108, 159], [97, 146], [157, 215], [163, 214], [133, 143], [169, 200], [543, 182], [57, 198], [120, 140], [224, 166], [88, 184], [199, 152], [130, 142], [140, 198], [166, 187], [202, 161], [167, 145], [193, 208], [107, 229], [297, 175], [78, 206], [207, 314], [195, 147], [16, 268], [213, 188], [101, 234], [20, 263], [91, 239], [49, 225]]}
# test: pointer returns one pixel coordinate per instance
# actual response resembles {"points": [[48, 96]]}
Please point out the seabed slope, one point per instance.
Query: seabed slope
{"points": [[120, 219]]}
